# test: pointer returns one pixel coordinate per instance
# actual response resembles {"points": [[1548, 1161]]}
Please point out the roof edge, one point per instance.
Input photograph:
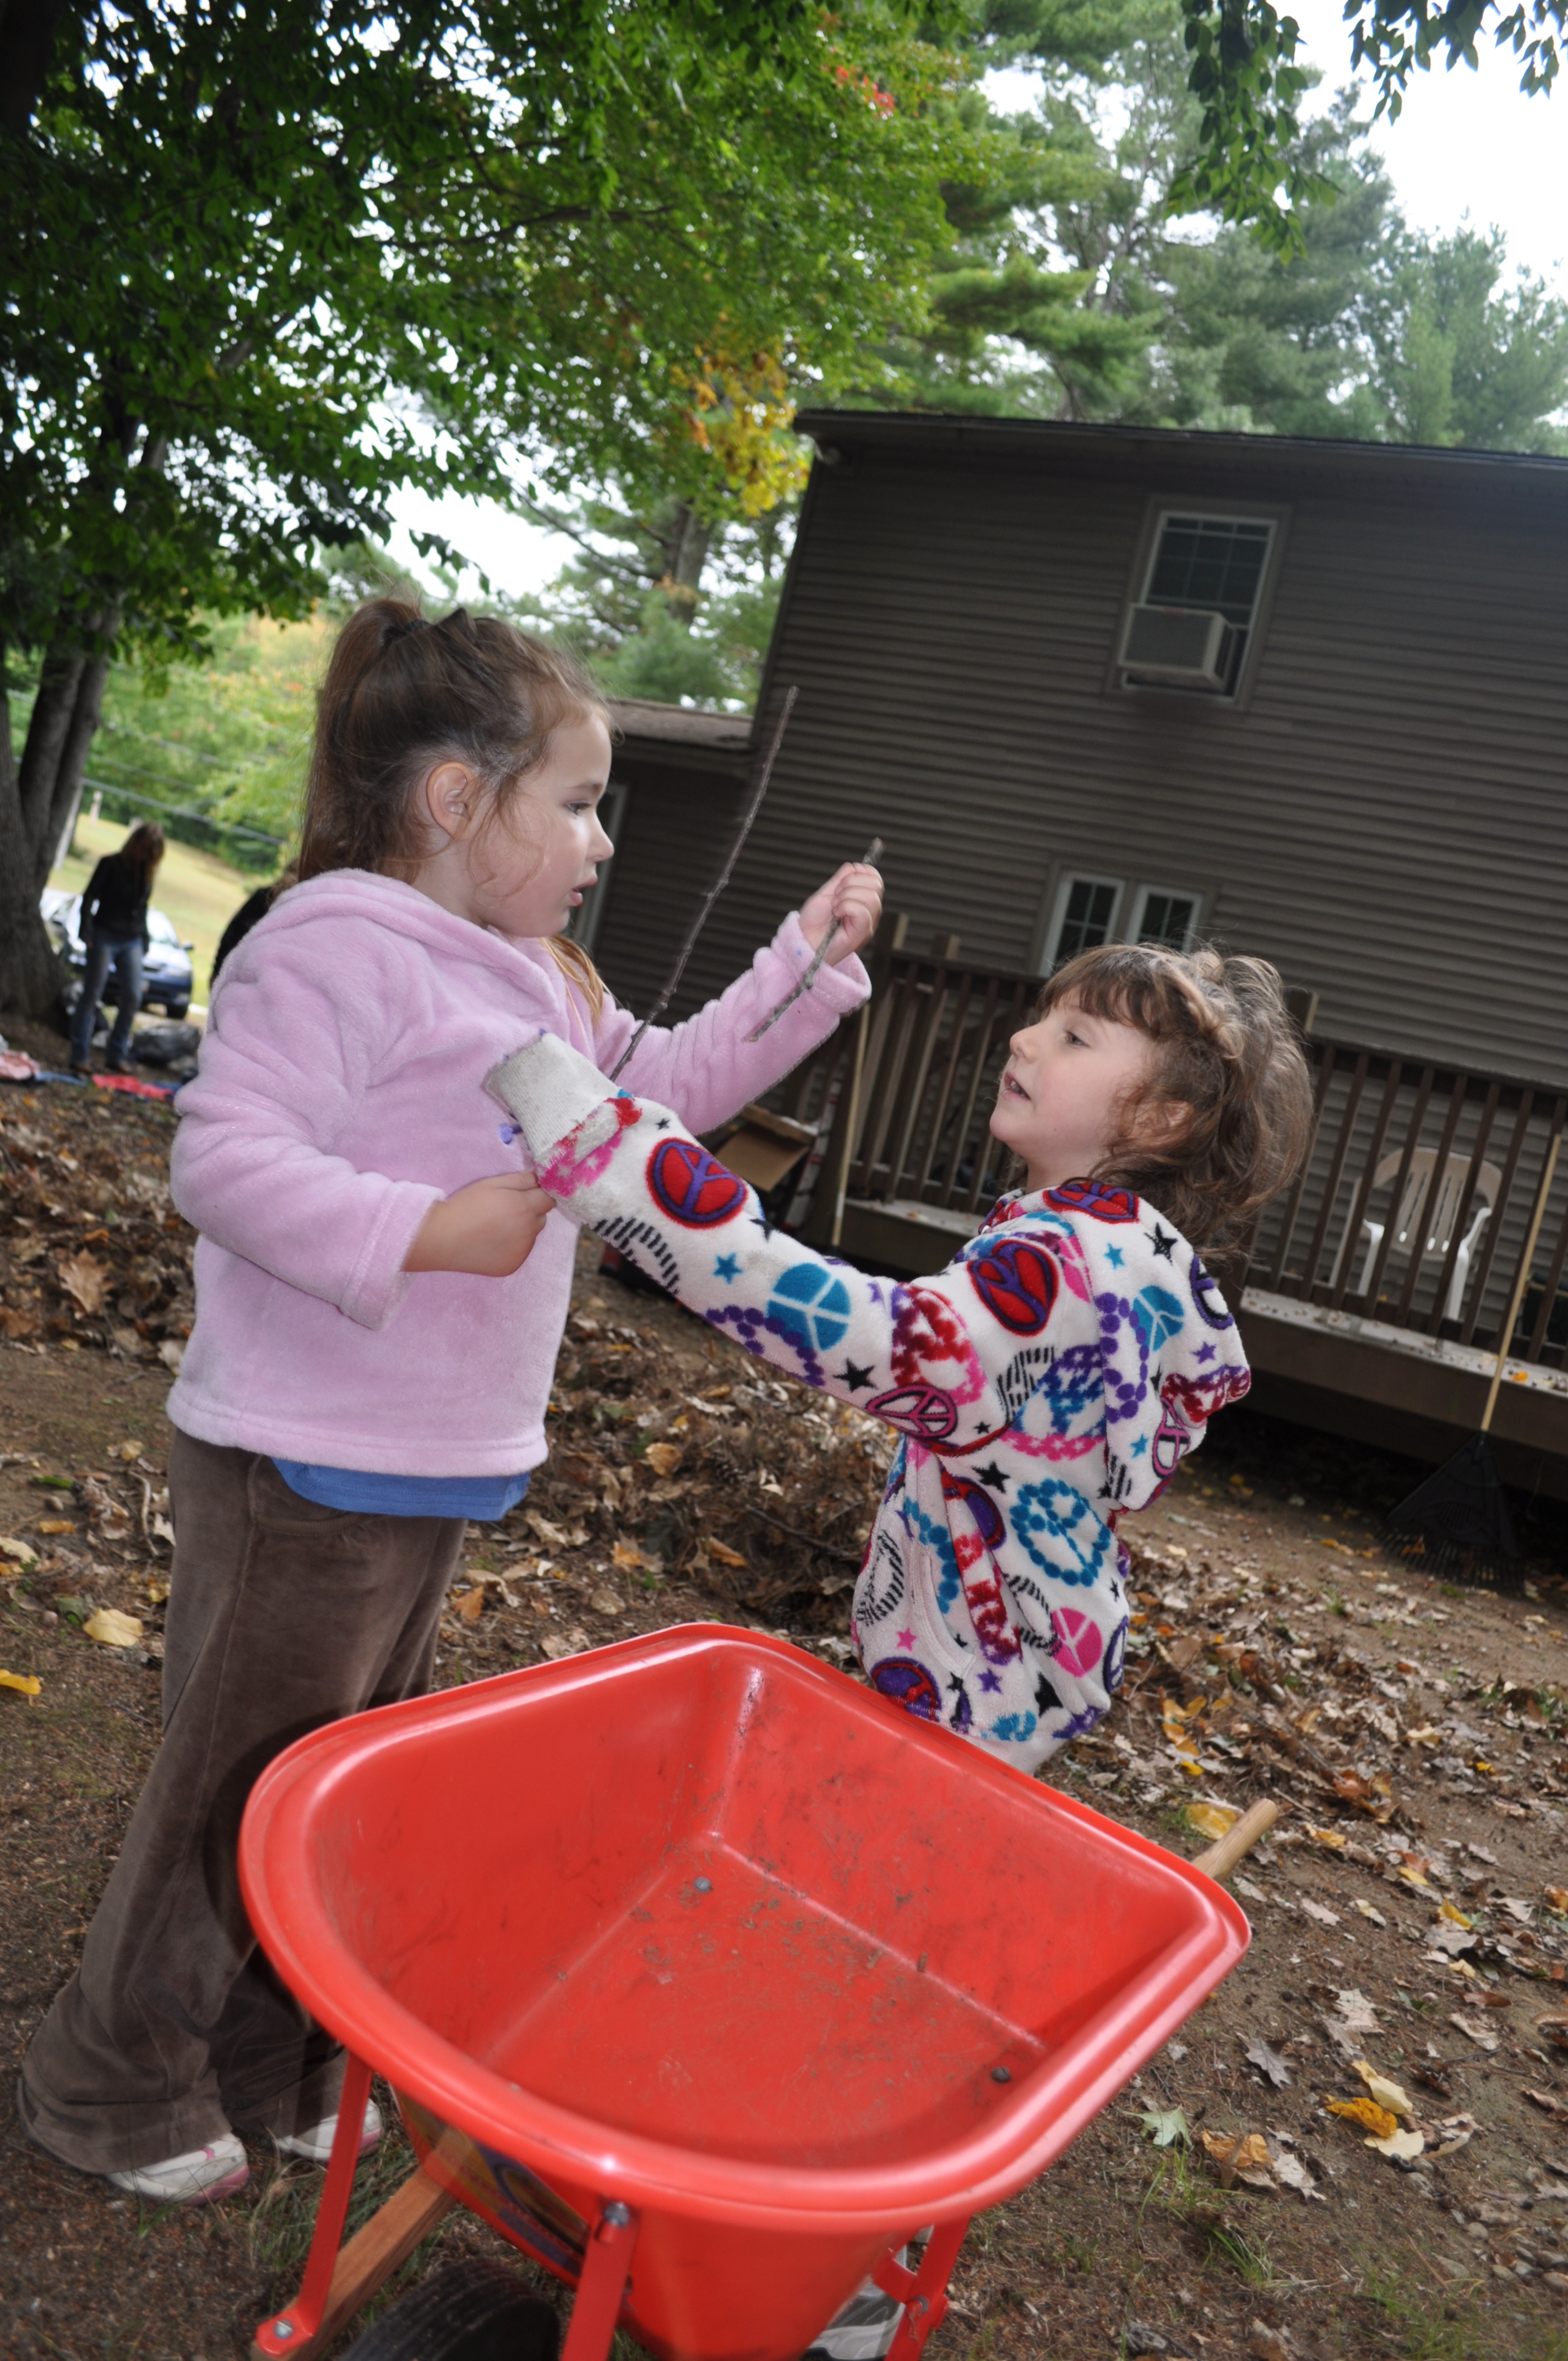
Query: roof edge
{"points": [[957, 429]]}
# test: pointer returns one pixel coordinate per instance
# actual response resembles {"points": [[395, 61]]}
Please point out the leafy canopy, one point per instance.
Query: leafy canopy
{"points": [[318, 248], [1249, 75]]}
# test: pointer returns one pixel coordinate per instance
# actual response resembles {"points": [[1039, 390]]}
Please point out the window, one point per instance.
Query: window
{"points": [[1197, 565], [1084, 916], [1164, 913]]}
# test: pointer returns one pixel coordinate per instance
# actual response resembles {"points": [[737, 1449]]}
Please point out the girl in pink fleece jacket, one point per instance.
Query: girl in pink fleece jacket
{"points": [[380, 1293]]}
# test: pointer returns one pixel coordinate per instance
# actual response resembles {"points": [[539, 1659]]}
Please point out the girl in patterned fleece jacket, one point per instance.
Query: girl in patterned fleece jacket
{"points": [[1053, 1376]]}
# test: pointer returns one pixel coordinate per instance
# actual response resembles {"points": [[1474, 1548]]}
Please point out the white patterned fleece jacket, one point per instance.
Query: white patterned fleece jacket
{"points": [[1050, 1379]]}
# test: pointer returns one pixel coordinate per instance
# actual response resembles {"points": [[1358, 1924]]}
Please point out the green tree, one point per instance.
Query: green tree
{"points": [[1249, 72], [318, 246]]}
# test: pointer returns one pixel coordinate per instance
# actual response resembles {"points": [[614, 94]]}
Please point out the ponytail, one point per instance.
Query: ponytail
{"points": [[401, 694]]}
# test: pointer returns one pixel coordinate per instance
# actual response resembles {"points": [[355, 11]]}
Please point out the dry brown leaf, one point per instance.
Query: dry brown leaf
{"points": [[1241, 2156], [566, 1643], [471, 1606], [627, 1555], [55, 1525], [1477, 2033], [725, 1555], [1330, 1837], [85, 1278], [663, 1457], [1211, 1820], [607, 1602], [1556, 1896], [17, 1552], [18, 1324]]}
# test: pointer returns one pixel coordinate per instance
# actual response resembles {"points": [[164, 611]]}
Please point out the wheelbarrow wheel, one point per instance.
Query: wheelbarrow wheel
{"points": [[472, 2310]]}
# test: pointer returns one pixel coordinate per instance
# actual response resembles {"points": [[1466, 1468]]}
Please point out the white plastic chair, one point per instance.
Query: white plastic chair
{"points": [[1441, 1222]]}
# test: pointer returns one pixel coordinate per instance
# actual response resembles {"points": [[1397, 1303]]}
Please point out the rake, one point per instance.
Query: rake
{"points": [[1457, 1522]]}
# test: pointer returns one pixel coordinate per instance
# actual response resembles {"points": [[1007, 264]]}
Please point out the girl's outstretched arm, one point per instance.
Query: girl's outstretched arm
{"points": [[626, 1168], [707, 1068]]}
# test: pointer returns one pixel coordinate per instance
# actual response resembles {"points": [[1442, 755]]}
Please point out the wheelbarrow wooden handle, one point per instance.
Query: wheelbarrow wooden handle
{"points": [[1222, 1858], [373, 2254]]}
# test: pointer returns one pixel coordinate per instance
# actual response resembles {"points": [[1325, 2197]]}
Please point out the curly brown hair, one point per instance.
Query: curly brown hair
{"points": [[401, 694], [1226, 1049]]}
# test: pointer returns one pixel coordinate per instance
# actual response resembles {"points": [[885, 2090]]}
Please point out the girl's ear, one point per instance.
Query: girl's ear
{"points": [[448, 799]]}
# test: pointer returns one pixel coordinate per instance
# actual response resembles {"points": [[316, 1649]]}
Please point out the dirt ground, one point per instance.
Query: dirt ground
{"points": [[1408, 1915]]}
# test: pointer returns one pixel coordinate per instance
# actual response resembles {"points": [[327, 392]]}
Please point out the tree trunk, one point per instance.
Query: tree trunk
{"points": [[31, 974], [39, 804], [686, 541]]}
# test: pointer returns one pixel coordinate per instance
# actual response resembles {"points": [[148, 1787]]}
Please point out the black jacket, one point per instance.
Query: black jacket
{"points": [[115, 904]]}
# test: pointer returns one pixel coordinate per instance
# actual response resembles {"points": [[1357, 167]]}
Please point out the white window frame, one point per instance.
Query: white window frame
{"points": [[1140, 902], [1065, 883], [1160, 508]]}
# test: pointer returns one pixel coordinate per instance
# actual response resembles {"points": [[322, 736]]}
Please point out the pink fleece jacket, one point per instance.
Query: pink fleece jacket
{"points": [[340, 1095]]}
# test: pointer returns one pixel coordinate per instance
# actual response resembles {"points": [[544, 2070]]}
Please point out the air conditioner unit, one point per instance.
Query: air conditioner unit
{"points": [[1185, 647]]}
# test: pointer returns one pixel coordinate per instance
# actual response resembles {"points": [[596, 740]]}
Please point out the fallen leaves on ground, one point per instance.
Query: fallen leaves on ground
{"points": [[28, 1683], [1167, 2125], [111, 1629], [93, 1251], [1379, 2121]]}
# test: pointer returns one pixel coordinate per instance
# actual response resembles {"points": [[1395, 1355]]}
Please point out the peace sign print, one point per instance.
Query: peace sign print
{"points": [[811, 1306], [924, 1411], [1078, 1642], [692, 1187], [1093, 1198], [1018, 1283], [1204, 1288], [908, 1684]]}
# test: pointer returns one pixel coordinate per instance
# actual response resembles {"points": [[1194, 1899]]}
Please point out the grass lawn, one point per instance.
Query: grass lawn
{"points": [[199, 892]]}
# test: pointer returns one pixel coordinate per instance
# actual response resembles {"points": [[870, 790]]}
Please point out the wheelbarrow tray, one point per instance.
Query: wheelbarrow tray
{"points": [[696, 1924]]}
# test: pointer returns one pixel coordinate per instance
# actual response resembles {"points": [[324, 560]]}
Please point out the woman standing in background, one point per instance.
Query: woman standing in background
{"points": [[113, 927]]}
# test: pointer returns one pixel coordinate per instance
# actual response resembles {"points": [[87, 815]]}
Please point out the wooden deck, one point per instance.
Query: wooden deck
{"points": [[1346, 1328]]}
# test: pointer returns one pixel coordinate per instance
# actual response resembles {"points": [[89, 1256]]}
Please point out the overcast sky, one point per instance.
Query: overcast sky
{"points": [[1466, 144]]}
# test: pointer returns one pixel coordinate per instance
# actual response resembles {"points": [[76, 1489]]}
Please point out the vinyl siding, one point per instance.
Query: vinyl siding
{"points": [[1385, 819]]}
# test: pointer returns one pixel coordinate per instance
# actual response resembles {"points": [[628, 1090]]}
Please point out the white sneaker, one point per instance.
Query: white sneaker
{"points": [[316, 2145], [194, 2178]]}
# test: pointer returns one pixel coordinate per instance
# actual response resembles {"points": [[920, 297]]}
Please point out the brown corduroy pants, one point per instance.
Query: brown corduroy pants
{"points": [[281, 1616]]}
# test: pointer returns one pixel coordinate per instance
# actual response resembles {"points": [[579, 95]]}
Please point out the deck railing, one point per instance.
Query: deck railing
{"points": [[1393, 1132], [935, 1041]]}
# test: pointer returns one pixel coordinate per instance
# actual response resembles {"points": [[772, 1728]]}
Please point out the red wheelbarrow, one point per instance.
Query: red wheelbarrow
{"points": [[707, 1977]]}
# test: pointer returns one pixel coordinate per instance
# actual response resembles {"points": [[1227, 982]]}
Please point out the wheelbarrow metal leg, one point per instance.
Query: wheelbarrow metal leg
{"points": [[607, 2265], [923, 2293], [297, 2329]]}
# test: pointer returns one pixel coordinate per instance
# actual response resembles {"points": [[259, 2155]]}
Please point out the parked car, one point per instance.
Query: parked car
{"points": [[167, 975]]}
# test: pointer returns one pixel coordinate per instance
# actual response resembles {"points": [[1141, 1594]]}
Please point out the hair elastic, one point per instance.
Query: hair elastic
{"points": [[402, 631]]}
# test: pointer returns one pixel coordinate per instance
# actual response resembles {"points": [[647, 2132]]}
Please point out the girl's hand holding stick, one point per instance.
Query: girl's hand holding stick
{"points": [[847, 911]]}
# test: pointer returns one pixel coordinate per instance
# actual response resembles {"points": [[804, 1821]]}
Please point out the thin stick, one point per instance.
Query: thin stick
{"points": [[1523, 1280], [714, 891], [873, 852], [851, 1120]]}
